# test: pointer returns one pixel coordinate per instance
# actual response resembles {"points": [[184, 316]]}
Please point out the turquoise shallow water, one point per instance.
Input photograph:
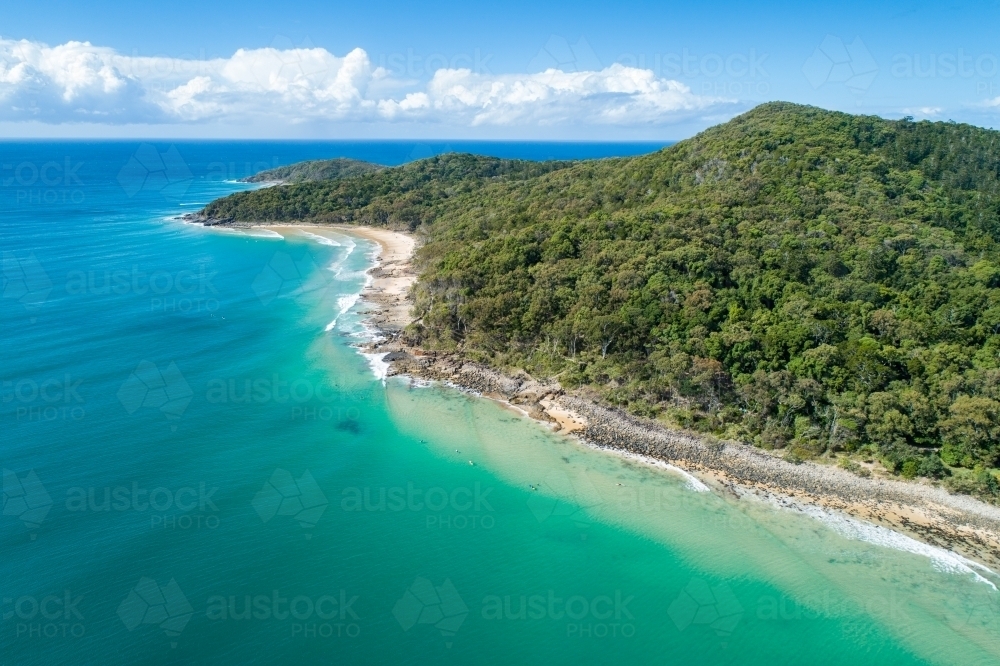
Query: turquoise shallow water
{"points": [[199, 468]]}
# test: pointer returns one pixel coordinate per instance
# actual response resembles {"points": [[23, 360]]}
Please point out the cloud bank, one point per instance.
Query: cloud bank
{"points": [[78, 82]]}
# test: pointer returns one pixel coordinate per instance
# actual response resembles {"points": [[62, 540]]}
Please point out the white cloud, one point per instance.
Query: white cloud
{"points": [[924, 112], [615, 95], [73, 80], [79, 82]]}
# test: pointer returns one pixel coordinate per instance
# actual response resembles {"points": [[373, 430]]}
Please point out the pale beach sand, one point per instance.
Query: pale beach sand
{"points": [[391, 279], [956, 523], [386, 295]]}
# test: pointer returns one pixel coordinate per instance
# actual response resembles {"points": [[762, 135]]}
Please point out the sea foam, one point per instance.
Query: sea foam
{"points": [[344, 303], [322, 240], [265, 233], [379, 367], [858, 530]]}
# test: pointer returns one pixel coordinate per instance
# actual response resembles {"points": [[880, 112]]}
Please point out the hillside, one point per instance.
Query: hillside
{"points": [[302, 172], [406, 196], [795, 278]]}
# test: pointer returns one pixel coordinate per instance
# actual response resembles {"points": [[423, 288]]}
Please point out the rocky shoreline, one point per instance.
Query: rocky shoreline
{"points": [[958, 523], [930, 514], [198, 218]]}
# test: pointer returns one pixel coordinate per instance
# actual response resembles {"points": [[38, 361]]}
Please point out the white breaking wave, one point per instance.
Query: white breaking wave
{"points": [[858, 530], [362, 330], [693, 482], [379, 367], [322, 240], [350, 245], [337, 267], [265, 233], [344, 303]]}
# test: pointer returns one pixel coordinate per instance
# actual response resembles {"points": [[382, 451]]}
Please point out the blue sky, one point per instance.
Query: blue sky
{"points": [[489, 70]]}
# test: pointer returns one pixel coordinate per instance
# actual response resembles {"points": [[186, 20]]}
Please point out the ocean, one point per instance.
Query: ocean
{"points": [[200, 467]]}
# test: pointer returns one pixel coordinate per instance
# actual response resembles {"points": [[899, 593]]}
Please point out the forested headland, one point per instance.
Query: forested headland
{"points": [[798, 279]]}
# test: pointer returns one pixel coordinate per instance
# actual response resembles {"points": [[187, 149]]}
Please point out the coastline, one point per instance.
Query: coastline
{"points": [[390, 279], [387, 293], [958, 524]]}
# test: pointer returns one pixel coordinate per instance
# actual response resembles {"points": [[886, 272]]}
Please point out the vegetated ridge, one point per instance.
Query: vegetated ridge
{"points": [[301, 172], [795, 278]]}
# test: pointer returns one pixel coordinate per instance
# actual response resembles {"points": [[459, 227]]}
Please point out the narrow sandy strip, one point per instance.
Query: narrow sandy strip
{"points": [[956, 523], [387, 295]]}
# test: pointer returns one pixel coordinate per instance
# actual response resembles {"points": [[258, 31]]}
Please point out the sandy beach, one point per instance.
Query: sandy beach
{"points": [[957, 523], [386, 295]]}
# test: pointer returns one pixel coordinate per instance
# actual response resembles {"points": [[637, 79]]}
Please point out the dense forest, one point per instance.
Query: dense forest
{"points": [[795, 278], [302, 172]]}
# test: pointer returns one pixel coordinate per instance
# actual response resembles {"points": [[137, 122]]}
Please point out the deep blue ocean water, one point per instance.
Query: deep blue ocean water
{"points": [[199, 467]]}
